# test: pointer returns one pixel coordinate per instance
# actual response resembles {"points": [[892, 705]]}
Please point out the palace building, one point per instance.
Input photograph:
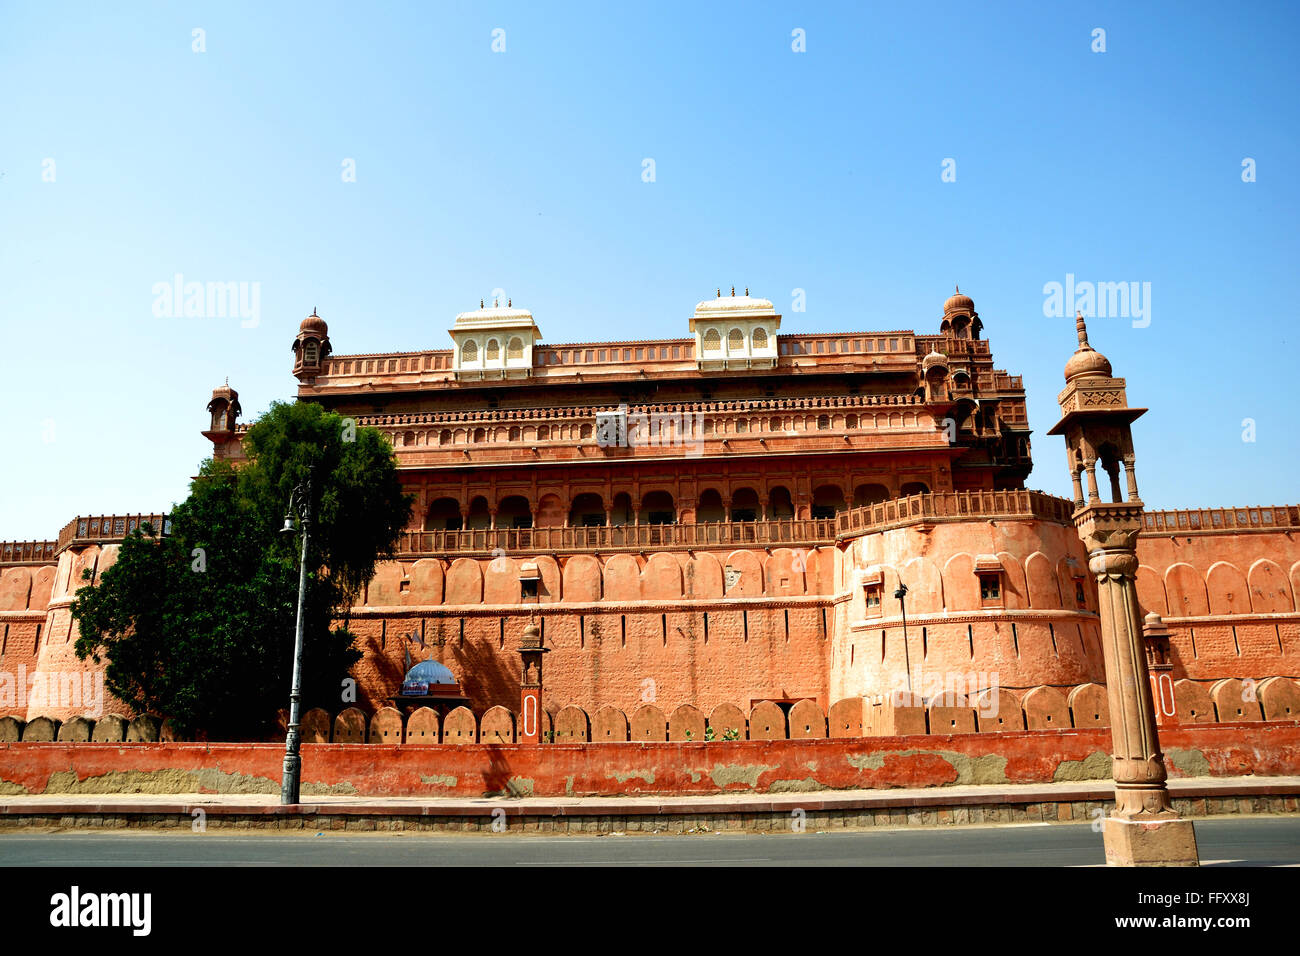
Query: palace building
{"points": [[739, 532]]}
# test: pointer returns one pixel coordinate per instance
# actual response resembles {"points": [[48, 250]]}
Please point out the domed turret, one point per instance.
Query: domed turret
{"points": [[959, 316], [314, 323], [958, 304], [1086, 361], [310, 347], [224, 408], [934, 360]]}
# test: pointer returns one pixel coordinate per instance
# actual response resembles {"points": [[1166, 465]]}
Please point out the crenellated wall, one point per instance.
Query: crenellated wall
{"points": [[717, 626]]}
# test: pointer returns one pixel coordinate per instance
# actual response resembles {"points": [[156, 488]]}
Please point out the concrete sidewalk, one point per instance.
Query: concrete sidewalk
{"points": [[821, 809]]}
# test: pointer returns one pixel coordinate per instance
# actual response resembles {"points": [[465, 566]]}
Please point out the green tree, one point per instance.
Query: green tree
{"points": [[198, 624]]}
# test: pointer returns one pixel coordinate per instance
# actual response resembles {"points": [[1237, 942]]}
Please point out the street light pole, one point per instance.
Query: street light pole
{"points": [[299, 501], [901, 593]]}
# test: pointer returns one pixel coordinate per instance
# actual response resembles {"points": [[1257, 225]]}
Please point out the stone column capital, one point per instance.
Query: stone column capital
{"points": [[1113, 563]]}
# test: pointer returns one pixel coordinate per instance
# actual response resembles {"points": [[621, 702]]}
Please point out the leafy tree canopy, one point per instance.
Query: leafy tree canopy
{"points": [[198, 625]]}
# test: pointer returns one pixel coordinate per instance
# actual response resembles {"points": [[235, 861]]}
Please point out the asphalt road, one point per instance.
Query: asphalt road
{"points": [[1263, 841]]}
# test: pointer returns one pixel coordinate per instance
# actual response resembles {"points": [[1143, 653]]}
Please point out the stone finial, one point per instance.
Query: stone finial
{"points": [[746, 291], [509, 304], [719, 293], [1153, 626], [1081, 328], [480, 303], [733, 290]]}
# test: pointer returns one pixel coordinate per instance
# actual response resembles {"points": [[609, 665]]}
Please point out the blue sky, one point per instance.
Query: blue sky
{"points": [[522, 171]]}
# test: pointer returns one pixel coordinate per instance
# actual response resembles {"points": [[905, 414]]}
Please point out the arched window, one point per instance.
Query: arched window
{"points": [[823, 422], [828, 501], [587, 511], [543, 432], [709, 507], [760, 338], [516, 348], [744, 505], [870, 494], [469, 351], [310, 353], [444, 437], [735, 341], [514, 512], [493, 350], [443, 515], [712, 341]]}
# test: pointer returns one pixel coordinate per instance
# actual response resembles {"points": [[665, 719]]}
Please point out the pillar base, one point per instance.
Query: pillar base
{"points": [[1169, 842]]}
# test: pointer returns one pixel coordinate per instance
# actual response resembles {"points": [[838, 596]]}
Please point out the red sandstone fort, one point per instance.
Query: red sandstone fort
{"points": [[708, 533]]}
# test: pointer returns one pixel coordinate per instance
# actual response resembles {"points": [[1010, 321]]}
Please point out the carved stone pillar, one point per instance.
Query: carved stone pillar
{"points": [[1156, 638], [1143, 829], [530, 685], [1132, 479]]}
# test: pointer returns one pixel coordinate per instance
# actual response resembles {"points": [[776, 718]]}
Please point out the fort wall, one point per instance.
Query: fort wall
{"points": [[707, 627]]}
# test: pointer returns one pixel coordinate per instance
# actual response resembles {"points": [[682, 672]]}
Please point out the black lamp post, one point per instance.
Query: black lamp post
{"points": [[901, 594], [299, 503]]}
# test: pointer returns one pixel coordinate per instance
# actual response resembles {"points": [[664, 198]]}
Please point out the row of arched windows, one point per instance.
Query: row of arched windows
{"points": [[574, 431], [735, 340], [492, 351], [588, 509]]}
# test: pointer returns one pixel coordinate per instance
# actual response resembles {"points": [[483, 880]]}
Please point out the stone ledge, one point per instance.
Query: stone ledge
{"points": [[1197, 797]]}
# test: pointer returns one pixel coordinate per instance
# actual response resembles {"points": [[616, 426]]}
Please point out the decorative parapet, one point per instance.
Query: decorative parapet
{"points": [[27, 552], [107, 529], [809, 532], [953, 506], [1253, 518]]}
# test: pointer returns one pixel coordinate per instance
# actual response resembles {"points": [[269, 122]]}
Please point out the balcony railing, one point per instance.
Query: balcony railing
{"points": [[101, 529], [27, 552], [953, 506], [1219, 519], [789, 532]]}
